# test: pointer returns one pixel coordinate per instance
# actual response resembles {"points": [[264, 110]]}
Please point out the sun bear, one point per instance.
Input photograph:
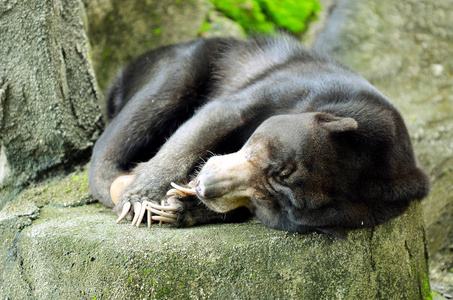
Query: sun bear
{"points": [[257, 127]]}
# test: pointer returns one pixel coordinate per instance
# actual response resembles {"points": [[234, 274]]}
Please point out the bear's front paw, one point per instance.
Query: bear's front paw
{"points": [[165, 212], [136, 205]]}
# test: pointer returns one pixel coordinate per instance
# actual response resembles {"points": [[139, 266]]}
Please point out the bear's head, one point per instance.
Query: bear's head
{"points": [[312, 171]]}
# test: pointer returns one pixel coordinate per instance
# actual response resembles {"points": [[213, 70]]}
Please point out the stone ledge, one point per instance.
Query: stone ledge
{"points": [[79, 253]]}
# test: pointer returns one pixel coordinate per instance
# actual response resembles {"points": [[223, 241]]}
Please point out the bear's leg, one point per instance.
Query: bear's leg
{"points": [[152, 101], [136, 130], [179, 155]]}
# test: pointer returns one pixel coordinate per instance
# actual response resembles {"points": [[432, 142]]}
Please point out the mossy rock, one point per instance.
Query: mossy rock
{"points": [[56, 243], [122, 30], [266, 16]]}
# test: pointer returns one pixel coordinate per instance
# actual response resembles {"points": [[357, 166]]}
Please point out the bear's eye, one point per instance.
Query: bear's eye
{"points": [[283, 176]]}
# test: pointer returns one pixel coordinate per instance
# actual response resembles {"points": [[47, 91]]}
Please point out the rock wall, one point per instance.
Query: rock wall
{"points": [[48, 111], [121, 30]]}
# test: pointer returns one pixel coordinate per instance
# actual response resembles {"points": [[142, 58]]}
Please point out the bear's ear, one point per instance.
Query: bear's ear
{"points": [[336, 124]]}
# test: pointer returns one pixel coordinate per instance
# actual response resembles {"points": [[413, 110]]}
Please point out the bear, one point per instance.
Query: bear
{"points": [[253, 127]]}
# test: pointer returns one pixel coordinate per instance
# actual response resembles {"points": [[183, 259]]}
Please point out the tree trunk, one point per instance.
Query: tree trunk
{"points": [[49, 115]]}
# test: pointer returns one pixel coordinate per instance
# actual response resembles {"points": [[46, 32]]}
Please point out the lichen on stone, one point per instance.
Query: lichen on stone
{"points": [[269, 15]]}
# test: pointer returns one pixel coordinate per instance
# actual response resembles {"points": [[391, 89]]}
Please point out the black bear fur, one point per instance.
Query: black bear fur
{"points": [[301, 141]]}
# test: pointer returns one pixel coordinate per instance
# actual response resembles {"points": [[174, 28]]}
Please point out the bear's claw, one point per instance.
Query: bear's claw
{"points": [[161, 211], [126, 208], [183, 190]]}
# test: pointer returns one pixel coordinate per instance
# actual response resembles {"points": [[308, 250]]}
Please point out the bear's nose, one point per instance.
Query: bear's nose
{"points": [[200, 189]]}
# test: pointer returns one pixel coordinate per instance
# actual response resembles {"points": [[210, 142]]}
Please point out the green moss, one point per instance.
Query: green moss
{"points": [[205, 27], [147, 272], [428, 294], [106, 53], [291, 14], [69, 190], [247, 13], [267, 15]]}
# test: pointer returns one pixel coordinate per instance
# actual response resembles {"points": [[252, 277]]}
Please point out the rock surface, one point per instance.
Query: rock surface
{"points": [[49, 116], [119, 31], [405, 49], [57, 244]]}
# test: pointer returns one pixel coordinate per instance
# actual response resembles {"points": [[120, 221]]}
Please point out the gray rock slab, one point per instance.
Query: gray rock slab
{"points": [[405, 48], [56, 243]]}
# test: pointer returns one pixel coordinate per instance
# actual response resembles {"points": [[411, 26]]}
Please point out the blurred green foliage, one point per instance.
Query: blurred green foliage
{"points": [[268, 15]]}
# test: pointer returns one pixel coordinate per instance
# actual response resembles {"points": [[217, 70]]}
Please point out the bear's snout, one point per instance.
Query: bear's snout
{"points": [[225, 182], [200, 189], [207, 185]]}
